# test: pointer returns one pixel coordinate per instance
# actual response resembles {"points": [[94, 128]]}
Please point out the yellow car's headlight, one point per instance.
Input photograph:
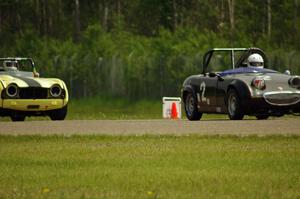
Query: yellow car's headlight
{"points": [[55, 91], [12, 90]]}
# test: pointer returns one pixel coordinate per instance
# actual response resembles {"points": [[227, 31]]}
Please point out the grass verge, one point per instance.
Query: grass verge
{"points": [[107, 107], [103, 107], [149, 167]]}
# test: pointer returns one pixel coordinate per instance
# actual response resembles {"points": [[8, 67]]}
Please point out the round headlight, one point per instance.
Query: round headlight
{"points": [[12, 90], [295, 82], [55, 91]]}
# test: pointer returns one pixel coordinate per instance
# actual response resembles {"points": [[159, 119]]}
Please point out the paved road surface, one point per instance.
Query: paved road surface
{"points": [[139, 127]]}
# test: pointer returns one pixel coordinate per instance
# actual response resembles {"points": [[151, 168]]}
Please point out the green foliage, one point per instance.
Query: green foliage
{"points": [[127, 65], [141, 49]]}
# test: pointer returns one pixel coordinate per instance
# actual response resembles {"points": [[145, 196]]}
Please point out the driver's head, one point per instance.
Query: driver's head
{"points": [[11, 65], [255, 60]]}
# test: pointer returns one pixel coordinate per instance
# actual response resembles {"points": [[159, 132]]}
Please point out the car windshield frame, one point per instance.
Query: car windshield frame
{"points": [[20, 59], [234, 64]]}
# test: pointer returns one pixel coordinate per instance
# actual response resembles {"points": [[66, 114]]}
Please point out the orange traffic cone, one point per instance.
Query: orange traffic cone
{"points": [[174, 113]]}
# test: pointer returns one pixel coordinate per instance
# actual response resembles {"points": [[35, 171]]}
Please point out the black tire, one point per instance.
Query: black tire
{"points": [[59, 114], [190, 106], [262, 117], [17, 118], [234, 107]]}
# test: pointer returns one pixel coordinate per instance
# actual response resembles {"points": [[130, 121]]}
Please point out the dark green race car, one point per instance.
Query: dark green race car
{"points": [[244, 89]]}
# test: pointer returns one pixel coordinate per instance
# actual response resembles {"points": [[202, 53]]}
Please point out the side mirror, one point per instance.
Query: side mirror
{"points": [[212, 74], [287, 72]]}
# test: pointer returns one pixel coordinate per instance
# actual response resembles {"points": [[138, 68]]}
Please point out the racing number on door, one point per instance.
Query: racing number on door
{"points": [[202, 92]]}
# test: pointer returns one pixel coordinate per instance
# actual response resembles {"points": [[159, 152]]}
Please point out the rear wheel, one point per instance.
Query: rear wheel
{"points": [[190, 106], [17, 117], [234, 107], [59, 114]]}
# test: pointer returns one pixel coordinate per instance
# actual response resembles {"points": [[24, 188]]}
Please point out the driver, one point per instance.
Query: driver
{"points": [[10, 65], [255, 60]]}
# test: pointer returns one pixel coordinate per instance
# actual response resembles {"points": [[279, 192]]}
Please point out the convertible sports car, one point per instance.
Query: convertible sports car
{"points": [[241, 90], [24, 93]]}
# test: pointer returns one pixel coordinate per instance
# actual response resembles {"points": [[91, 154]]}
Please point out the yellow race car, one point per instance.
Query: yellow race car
{"points": [[24, 93]]}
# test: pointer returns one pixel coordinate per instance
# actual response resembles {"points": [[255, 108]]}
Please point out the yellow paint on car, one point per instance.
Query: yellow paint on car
{"points": [[7, 79], [42, 104]]}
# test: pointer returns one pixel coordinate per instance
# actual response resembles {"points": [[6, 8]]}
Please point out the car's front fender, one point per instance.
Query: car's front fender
{"points": [[186, 89], [243, 89]]}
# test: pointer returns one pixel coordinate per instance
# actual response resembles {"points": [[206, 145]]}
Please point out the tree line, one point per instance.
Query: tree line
{"points": [[143, 48]]}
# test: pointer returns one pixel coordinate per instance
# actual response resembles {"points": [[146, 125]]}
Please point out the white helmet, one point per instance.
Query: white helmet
{"points": [[255, 60], [10, 65]]}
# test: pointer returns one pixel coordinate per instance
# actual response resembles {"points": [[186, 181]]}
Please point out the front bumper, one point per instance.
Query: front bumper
{"points": [[256, 106], [33, 104], [283, 98]]}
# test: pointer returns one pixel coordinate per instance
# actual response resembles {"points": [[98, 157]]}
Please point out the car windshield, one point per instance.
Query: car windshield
{"points": [[16, 64], [221, 60]]}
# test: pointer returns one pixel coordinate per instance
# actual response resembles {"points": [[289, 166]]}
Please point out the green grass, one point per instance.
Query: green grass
{"points": [[112, 108], [102, 107], [149, 167]]}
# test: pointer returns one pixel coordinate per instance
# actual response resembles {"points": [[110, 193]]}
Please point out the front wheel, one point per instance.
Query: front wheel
{"points": [[234, 107], [190, 106], [59, 114]]}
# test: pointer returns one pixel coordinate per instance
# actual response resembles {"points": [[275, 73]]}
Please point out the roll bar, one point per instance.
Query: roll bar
{"points": [[247, 51]]}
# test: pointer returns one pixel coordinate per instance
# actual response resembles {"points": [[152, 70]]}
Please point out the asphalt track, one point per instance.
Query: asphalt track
{"points": [[290, 126]]}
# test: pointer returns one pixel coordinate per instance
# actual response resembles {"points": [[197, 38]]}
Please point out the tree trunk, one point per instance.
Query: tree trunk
{"points": [[175, 16], [44, 20], [231, 19], [222, 13], [105, 17], [119, 11], [17, 18], [295, 14], [269, 18], [221, 17], [50, 18], [37, 16], [19, 23], [59, 18], [182, 14], [77, 21]]}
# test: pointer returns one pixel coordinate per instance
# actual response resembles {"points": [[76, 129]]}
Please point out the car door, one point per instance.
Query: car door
{"points": [[206, 95], [221, 90]]}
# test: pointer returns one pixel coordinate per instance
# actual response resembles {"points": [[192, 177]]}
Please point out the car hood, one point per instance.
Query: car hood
{"points": [[243, 70], [275, 82], [23, 81]]}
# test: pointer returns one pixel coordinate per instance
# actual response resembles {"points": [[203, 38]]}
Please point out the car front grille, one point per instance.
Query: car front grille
{"points": [[33, 93], [282, 98]]}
